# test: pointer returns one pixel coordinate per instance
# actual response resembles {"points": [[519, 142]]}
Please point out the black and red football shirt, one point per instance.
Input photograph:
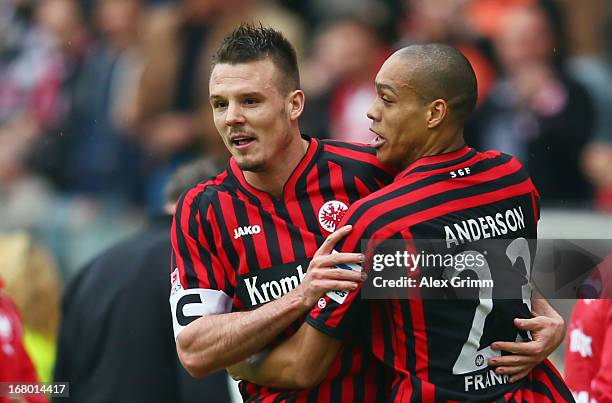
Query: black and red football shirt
{"points": [[438, 347], [236, 247]]}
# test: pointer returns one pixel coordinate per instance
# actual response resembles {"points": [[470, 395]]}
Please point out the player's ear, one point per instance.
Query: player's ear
{"points": [[296, 104], [436, 113]]}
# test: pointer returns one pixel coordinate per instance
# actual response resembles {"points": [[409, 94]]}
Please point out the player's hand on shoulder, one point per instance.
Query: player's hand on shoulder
{"points": [[323, 274]]}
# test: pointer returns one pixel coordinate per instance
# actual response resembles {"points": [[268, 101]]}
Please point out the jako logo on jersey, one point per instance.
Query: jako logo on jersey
{"points": [[580, 343], [331, 213], [246, 230]]}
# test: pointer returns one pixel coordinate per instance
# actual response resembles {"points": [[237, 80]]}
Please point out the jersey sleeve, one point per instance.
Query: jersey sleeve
{"points": [[338, 312], [198, 280]]}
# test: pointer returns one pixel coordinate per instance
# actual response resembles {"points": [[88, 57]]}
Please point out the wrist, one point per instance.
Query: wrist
{"points": [[298, 299]]}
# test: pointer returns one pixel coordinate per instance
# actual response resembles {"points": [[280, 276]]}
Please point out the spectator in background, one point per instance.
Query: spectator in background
{"points": [[31, 69], [50, 156], [268, 13], [485, 16], [104, 160], [24, 196], [382, 15], [31, 278], [86, 149], [15, 365], [116, 341], [171, 111], [535, 111], [30, 74], [36, 38], [597, 162], [595, 72], [447, 22], [339, 75]]}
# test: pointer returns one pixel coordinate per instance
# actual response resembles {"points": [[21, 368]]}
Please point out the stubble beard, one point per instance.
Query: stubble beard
{"points": [[251, 166], [258, 166]]}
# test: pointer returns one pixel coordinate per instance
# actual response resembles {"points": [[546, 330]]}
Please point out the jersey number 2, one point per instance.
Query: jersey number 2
{"points": [[470, 358]]}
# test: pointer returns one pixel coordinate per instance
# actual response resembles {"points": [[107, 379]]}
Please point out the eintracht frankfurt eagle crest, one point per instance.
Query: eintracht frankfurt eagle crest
{"points": [[331, 213]]}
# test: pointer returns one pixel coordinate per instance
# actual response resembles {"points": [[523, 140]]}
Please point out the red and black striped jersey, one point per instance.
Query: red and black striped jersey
{"points": [[236, 247], [438, 347]]}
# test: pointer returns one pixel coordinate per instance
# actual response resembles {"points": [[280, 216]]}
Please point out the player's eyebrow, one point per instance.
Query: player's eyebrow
{"points": [[381, 86], [252, 94]]}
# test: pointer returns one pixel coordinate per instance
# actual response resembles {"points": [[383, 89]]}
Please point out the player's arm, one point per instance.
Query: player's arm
{"points": [[214, 341], [547, 330], [303, 360], [300, 362], [219, 339]]}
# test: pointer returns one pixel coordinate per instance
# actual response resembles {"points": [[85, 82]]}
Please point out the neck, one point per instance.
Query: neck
{"points": [[440, 143], [273, 179]]}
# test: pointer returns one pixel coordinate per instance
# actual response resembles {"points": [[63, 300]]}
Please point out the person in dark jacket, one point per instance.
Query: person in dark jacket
{"points": [[116, 342], [536, 112]]}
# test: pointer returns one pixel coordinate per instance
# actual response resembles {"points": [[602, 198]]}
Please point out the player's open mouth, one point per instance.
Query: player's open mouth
{"points": [[242, 141], [378, 140]]}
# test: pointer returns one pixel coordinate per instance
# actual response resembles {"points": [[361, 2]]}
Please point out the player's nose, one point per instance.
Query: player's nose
{"points": [[373, 112], [234, 115]]}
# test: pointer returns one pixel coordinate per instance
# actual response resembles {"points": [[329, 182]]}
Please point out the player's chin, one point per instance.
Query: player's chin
{"points": [[251, 165], [382, 155], [392, 160]]}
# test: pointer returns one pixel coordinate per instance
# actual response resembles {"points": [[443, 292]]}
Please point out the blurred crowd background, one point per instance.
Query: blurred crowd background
{"points": [[101, 100]]}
